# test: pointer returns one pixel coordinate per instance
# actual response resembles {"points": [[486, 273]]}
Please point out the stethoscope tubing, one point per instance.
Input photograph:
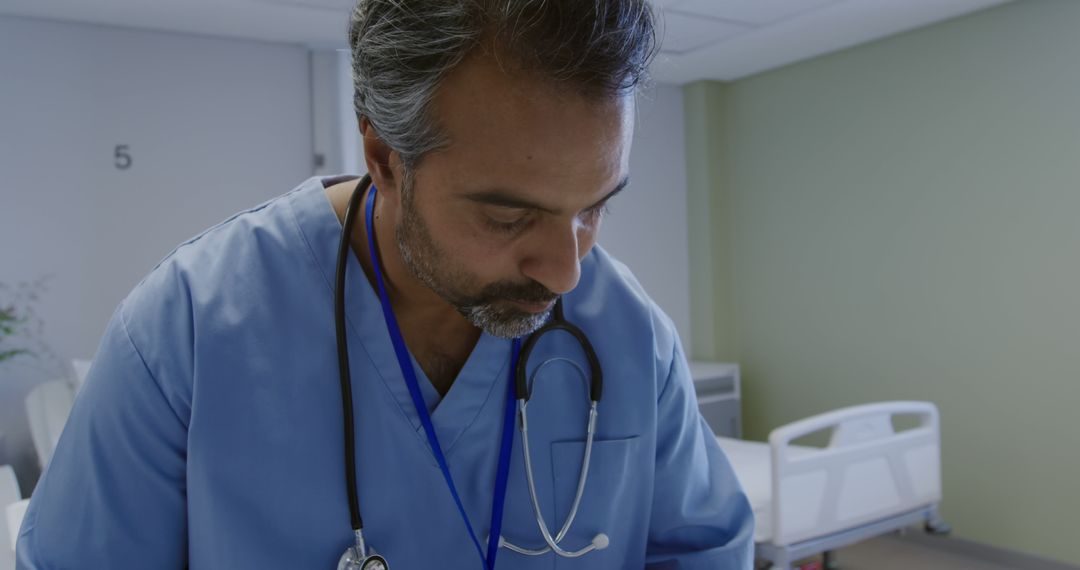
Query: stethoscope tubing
{"points": [[559, 322], [343, 361], [590, 431], [553, 543]]}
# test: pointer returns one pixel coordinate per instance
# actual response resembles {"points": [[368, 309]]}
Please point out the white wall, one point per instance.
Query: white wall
{"points": [[352, 146], [329, 123], [647, 226], [213, 126]]}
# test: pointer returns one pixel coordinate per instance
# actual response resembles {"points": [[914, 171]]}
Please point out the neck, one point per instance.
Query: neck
{"points": [[437, 335]]}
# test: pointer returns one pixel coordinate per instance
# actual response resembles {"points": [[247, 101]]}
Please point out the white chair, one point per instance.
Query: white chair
{"points": [[9, 494], [15, 513], [81, 368], [47, 409]]}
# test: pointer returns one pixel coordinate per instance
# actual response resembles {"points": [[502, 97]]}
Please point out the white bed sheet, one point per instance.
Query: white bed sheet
{"points": [[752, 462]]}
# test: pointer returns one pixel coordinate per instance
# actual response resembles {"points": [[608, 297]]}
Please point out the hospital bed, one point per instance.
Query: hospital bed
{"points": [[870, 479]]}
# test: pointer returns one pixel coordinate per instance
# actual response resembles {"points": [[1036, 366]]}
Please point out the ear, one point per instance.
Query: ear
{"points": [[383, 163]]}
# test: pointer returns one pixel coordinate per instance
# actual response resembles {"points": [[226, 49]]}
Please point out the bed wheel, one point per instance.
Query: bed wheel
{"points": [[937, 527]]}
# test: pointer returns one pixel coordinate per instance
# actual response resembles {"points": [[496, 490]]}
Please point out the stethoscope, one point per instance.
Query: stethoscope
{"points": [[359, 556]]}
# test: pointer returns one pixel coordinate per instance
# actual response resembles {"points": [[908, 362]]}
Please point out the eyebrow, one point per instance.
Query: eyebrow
{"points": [[506, 199]]}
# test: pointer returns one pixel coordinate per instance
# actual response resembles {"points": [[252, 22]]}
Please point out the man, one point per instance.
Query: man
{"points": [[209, 431]]}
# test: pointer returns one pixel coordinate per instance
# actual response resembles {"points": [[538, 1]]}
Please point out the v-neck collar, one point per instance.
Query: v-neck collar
{"points": [[481, 382]]}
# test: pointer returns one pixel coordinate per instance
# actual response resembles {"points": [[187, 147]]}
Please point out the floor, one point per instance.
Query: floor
{"points": [[895, 552]]}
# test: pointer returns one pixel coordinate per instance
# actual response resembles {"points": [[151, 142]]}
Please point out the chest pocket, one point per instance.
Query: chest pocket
{"points": [[615, 501]]}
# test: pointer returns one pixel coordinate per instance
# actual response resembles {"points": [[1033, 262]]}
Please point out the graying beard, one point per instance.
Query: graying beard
{"points": [[483, 316], [488, 318]]}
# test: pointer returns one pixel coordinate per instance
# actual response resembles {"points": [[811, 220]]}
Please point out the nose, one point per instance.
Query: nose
{"points": [[555, 257]]}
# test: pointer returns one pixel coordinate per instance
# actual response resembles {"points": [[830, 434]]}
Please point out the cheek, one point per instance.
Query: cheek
{"points": [[476, 251]]}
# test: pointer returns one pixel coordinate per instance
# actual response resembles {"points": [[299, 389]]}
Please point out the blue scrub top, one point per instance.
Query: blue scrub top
{"points": [[209, 430]]}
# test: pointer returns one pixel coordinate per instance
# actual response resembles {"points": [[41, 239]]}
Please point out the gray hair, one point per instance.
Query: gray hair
{"points": [[402, 50]]}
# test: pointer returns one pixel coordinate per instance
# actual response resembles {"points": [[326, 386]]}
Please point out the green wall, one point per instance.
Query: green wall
{"points": [[901, 220], [708, 207]]}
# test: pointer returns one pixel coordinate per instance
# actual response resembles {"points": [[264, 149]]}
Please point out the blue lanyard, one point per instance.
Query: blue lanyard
{"points": [[407, 370]]}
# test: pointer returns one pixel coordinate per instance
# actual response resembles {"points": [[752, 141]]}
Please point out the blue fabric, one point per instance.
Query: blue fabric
{"points": [[408, 370], [208, 431]]}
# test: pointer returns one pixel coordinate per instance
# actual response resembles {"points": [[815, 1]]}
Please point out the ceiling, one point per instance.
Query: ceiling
{"points": [[731, 39], [703, 39]]}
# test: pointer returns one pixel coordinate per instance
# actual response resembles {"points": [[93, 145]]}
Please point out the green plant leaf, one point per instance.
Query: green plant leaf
{"points": [[9, 354]]}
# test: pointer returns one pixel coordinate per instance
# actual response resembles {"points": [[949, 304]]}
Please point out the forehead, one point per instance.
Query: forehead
{"points": [[521, 131]]}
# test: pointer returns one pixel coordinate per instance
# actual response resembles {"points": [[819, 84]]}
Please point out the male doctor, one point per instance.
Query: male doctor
{"points": [[209, 432]]}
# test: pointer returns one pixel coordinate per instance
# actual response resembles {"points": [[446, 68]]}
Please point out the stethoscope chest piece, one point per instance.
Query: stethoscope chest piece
{"points": [[351, 560]]}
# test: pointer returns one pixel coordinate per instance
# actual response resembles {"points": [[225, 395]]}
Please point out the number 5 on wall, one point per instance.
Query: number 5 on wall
{"points": [[123, 159]]}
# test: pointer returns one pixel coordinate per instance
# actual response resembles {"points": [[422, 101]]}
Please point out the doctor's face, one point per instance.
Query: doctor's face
{"points": [[497, 222]]}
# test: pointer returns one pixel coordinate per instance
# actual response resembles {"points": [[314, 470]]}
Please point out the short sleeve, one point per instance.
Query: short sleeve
{"points": [[113, 495], [701, 517]]}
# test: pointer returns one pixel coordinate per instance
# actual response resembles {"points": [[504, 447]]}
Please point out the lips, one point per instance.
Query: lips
{"points": [[533, 306]]}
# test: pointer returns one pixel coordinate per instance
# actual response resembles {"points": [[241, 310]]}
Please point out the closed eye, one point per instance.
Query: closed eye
{"points": [[506, 220], [598, 211]]}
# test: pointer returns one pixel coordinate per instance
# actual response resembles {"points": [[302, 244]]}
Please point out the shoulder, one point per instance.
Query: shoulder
{"points": [[208, 278], [611, 301], [214, 252]]}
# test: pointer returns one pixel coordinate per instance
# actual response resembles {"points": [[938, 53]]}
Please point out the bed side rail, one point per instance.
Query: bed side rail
{"points": [[867, 472]]}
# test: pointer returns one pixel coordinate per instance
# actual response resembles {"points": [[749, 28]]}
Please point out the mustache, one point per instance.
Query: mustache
{"points": [[531, 292]]}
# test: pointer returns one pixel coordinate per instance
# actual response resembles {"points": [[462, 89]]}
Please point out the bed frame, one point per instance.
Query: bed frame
{"points": [[869, 480]]}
